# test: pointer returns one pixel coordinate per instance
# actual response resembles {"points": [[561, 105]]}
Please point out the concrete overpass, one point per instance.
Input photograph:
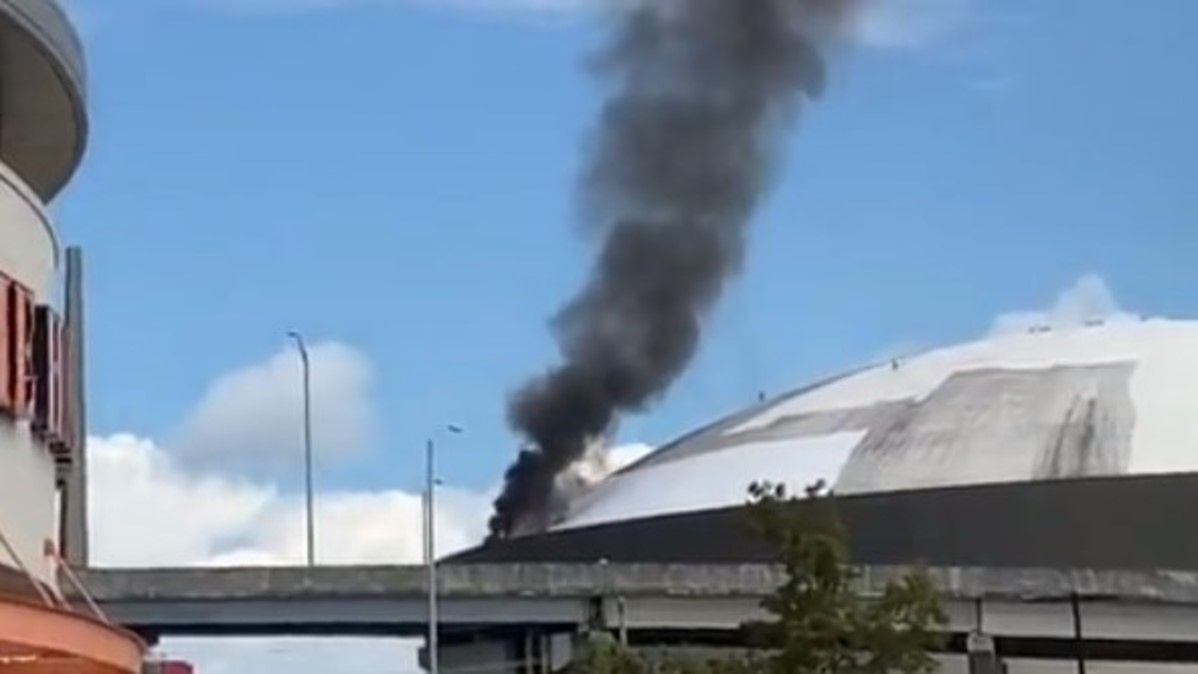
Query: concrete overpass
{"points": [[392, 600], [1123, 615]]}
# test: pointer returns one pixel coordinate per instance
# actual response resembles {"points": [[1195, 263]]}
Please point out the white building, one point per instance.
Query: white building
{"points": [[43, 127]]}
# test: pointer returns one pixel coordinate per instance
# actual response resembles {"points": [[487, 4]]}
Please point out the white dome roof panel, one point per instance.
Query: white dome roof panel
{"points": [[1102, 400], [716, 479]]}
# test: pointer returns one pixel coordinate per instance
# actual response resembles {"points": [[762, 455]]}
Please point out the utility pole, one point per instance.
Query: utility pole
{"points": [[430, 549], [430, 502], [307, 377]]}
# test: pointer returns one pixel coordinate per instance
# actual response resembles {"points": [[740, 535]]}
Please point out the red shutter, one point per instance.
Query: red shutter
{"points": [[7, 384], [17, 336], [21, 310], [17, 379]]}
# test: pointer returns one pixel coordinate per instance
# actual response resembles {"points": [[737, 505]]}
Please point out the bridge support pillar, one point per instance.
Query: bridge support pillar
{"points": [[983, 657]]}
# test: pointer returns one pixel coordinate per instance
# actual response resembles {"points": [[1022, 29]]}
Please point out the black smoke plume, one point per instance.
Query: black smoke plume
{"points": [[702, 92]]}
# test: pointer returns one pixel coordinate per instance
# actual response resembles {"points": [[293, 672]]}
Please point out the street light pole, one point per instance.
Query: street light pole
{"points": [[307, 367], [430, 549], [430, 504]]}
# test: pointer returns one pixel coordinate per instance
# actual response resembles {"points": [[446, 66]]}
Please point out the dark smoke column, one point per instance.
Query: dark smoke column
{"points": [[703, 90]]}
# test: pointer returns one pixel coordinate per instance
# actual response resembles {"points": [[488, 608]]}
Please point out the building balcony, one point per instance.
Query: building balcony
{"points": [[43, 121]]}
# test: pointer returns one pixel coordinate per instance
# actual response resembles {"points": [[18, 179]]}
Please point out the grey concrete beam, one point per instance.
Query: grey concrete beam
{"points": [[73, 525], [482, 598], [589, 580]]}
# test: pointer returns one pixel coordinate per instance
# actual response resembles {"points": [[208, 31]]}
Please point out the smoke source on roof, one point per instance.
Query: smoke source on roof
{"points": [[702, 91]]}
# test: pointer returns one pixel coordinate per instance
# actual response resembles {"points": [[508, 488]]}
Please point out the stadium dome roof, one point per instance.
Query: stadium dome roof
{"points": [[1049, 447], [1095, 400]]}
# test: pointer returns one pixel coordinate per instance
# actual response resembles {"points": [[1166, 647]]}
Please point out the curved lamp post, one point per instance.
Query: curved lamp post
{"points": [[430, 546], [307, 365]]}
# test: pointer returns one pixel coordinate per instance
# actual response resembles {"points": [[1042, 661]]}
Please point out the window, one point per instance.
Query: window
{"points": [[16, 371], [32, 364], [48, 367]]}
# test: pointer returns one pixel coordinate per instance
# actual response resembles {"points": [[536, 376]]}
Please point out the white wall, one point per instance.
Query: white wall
{"points": [[28, 250], [28, 253]]}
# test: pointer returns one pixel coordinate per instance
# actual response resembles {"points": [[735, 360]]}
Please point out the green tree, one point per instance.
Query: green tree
{"points": [[602, 654], [820, 623]]}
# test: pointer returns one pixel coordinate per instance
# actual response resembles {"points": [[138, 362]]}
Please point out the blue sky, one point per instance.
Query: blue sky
{"points": [[397, 178]]}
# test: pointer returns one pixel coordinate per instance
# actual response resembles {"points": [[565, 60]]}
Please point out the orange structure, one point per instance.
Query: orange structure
{"points": [[36, 638], [43, 122]]}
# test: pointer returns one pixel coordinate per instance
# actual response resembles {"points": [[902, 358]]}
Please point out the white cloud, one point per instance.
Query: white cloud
{"points": [[253, 416], [146, 511], [210, 519], [1087, 300], [362, 528], [910, 23]]}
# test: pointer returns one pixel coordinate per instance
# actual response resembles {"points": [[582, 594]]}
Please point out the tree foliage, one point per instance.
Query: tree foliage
{"points": [[604, 655], [819, 621]]}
